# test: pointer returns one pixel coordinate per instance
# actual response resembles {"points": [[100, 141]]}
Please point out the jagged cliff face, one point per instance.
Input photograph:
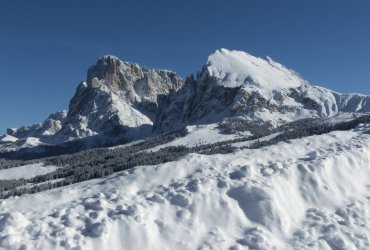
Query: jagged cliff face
{"points": [[118, 96], [234, 83], [135, 83]]}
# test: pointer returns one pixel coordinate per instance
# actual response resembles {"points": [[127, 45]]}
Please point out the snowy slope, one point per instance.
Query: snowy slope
{"points": [[7, 138], [98, 110], [25, 172], [310, 193], [200, 135], [235, 68]]}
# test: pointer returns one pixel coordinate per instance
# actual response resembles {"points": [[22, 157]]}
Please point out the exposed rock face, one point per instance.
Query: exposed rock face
{"points": [[137, 84]]}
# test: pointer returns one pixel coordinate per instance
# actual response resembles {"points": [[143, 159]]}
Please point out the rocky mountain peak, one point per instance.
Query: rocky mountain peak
{"points": [[116, 96], [114, 73], [129, 79]]}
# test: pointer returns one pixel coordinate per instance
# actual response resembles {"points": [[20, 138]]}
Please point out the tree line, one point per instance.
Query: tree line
{"points": [[101, 162]]}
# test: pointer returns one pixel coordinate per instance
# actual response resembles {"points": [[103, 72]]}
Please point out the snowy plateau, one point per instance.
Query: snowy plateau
{"points": [[246, 154]]}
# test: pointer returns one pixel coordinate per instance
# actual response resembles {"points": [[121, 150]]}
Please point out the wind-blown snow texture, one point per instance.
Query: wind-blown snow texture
{"points": [[310, 193]]}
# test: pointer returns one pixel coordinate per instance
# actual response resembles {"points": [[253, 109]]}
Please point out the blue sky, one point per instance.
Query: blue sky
{"points": [[47, 46]]}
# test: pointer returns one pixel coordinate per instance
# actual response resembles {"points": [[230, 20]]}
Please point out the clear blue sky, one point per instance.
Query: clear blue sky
{"points": [[46, 46]]}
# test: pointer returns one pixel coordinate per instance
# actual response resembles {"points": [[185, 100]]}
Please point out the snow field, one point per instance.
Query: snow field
{"points": [[26, 172], [310, 193]]}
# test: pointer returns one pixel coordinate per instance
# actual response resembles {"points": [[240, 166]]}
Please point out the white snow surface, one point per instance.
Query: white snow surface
{"points": [[310, 193], [200, 135], [235, 68], [30, 142], [26, 172], [8, 138]]}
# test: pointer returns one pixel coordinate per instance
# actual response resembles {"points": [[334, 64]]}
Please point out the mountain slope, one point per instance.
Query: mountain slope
{"points": [[298, 194], [236, 84]]}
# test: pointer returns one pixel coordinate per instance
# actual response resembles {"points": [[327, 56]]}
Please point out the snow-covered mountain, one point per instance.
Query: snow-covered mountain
{"points": [[117, 99], [117, 96], [234, 83], [123, 100]]}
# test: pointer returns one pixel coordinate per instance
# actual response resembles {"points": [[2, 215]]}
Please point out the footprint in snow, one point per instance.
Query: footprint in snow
{"points": [[239, 174], [179, 200], [157, 198]]}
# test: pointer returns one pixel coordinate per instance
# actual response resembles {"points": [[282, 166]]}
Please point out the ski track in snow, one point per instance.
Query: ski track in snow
{"points": [[310, 193]]}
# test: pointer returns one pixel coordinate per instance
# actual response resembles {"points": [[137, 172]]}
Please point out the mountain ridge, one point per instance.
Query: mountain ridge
{"points": [[123, 100], [263, 91]]}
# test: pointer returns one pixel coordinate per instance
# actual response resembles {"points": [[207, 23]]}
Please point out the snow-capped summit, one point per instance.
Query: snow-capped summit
{"points": [[236, 68], [234, 83]]}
